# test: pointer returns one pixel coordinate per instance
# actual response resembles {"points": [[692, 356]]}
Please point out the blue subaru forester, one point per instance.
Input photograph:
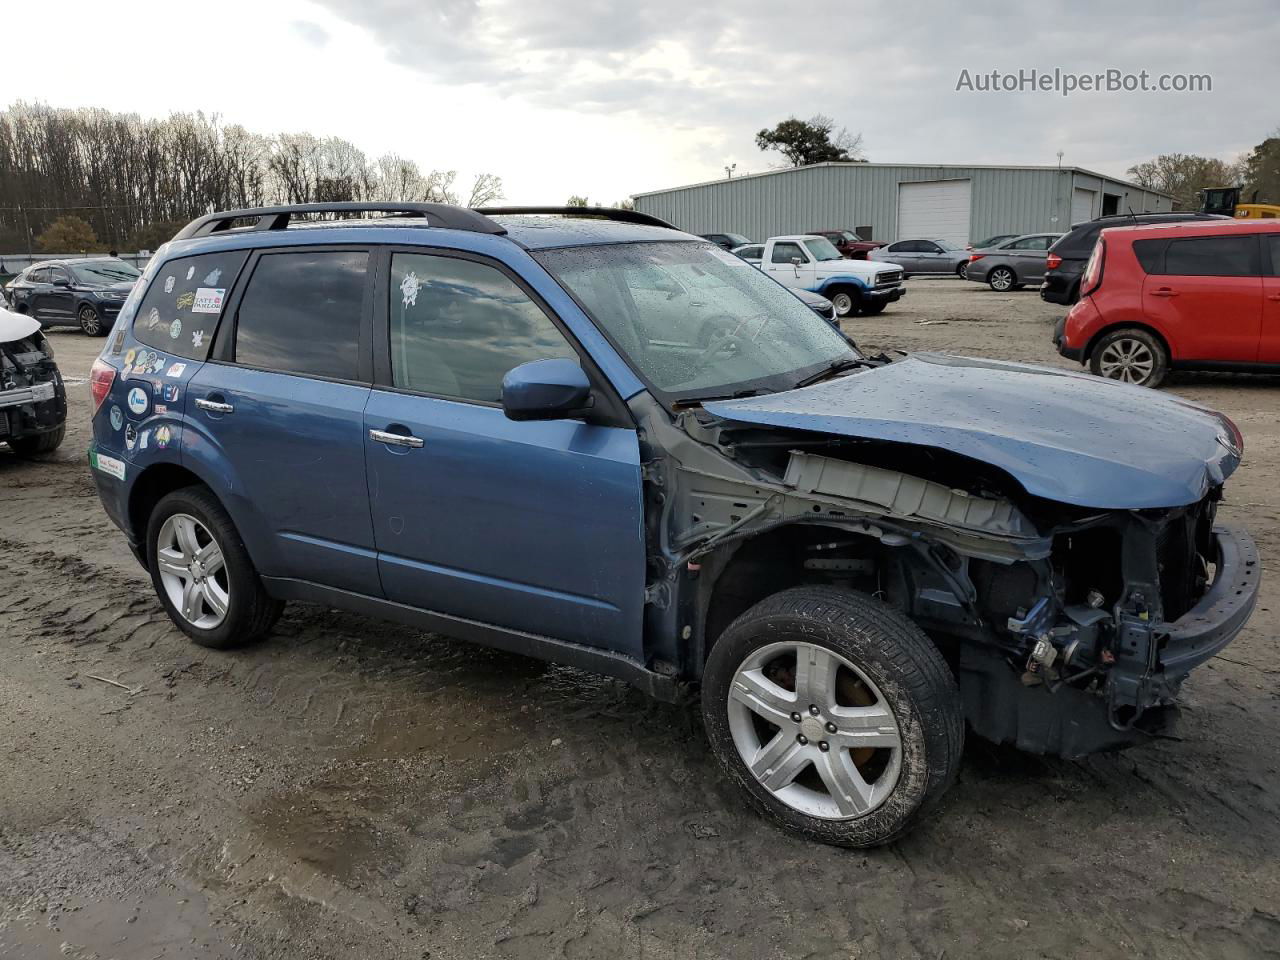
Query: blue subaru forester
{"points": [[585, 436]]}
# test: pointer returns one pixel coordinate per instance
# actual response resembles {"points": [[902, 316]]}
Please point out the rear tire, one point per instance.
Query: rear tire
{"points": [[230, 581], [1002, 280], [41, 443], [1130, 355], [865, 682]]}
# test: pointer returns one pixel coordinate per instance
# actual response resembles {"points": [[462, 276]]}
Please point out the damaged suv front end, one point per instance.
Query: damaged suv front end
{"points": [[33, 399]]}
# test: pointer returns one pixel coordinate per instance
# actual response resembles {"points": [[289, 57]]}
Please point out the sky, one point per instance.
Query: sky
{"points": [[607, 98]]}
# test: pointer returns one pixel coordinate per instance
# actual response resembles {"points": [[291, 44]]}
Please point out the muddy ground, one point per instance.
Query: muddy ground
{"points": [[350, 789]]}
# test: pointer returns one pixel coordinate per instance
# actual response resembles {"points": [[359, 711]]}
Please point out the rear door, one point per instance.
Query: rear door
{"points": [[532, 526], [1206, 295], [903, 253], [37, 293], [278, 413], [1027, 256], [1269, 341]]}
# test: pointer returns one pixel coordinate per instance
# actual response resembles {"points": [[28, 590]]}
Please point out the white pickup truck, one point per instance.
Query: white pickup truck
{"points": [[812, 263]]}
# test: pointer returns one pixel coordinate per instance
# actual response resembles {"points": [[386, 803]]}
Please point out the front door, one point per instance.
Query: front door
{"points": [[784, 269], [57, 302], [533, 526], [284, 410], [1208, 296]]}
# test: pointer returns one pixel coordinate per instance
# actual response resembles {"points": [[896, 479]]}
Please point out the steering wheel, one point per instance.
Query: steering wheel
{"points": [[726, 343]]}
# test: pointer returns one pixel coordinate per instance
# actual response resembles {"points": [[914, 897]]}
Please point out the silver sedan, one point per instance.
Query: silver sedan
{"points": [[925, 256], [1012, 264]]}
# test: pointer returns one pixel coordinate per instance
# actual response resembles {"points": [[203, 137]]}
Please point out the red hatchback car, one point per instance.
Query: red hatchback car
{"points": [[1202, 295]]}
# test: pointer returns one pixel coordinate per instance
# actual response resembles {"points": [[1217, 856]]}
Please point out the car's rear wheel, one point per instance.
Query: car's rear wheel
{"points": [[90, 322], [1130, 356], [38, 444], [1002, 279], [844, 302], [202, 573], [835, 713]]}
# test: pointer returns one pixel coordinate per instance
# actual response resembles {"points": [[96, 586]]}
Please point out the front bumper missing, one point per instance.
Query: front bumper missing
{"points": [[1069, 721]]}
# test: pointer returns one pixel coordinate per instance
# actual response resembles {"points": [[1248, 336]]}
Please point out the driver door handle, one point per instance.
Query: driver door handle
{"points": [[1164, 292], [395, 439]]}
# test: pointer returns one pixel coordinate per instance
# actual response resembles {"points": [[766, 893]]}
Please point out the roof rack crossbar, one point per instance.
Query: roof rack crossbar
{"points": [[601, 213], [277, 218]]}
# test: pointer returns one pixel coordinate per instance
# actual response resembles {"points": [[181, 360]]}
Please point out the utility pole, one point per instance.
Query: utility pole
{"points": [[728, 170], [26, 229]]}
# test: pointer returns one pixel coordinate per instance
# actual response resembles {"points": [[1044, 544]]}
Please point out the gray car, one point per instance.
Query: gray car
{"points": [[1012, 264], [925, 256]]}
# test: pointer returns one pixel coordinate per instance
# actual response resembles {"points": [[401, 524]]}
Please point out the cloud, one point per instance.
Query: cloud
{"points": [[312, 33]]}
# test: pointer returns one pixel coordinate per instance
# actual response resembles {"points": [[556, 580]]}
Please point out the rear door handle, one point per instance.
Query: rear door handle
{"points": [[1164, 292], [213, 406], [1273, 296], [395, 439]]}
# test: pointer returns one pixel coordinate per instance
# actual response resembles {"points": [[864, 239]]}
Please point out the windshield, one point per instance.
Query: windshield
{"points": [[105, 272], [696, 321], [946, 245], [823, 249], [851, 237]]}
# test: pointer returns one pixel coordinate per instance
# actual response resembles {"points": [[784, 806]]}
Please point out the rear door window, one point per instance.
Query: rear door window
{"points": [[183, 304], [301, 313], [1273, 244], [1212, 257]]}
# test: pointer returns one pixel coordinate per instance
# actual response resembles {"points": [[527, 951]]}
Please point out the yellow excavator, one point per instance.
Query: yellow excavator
{"points": [[1226, 201]]}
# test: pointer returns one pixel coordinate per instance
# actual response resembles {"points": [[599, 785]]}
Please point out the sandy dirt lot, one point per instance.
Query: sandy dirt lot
{"points": [[350, 789]]}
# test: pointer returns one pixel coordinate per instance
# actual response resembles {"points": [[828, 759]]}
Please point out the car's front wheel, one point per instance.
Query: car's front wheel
{"points": [[90, 322], [202, 572], [1131, 356], [844, 302], [871, 309], [961, 267], [835, 713], [1002, 279]]}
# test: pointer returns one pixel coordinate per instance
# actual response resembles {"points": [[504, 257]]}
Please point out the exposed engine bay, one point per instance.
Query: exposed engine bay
{"points": [[33, 400]]}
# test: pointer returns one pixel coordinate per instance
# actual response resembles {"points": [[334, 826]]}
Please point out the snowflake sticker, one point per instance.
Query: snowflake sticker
{"points": [[168, 284], [191, 272], [212, 278], [410, 286]]}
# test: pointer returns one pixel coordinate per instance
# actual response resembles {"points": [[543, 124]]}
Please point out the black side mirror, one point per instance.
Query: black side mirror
{"points": [[61, 282], [546, 390]]}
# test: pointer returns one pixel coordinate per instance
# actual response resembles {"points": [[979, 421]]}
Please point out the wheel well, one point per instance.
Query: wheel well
{"points": [[1088, 350], [155, 483], [775, 561], [23, 308], [849, 288]]}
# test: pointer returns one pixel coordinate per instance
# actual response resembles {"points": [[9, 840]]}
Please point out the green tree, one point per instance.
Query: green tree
{"points": [[577, 201], [154, 235], [1183, 176], [67, 235], [1261, 171], [811, 141]]}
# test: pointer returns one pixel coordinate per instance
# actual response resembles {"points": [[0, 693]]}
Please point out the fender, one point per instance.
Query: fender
{"points": [[842, 279]]}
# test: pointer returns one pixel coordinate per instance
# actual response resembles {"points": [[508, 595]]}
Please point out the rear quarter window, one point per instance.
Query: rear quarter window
{"points": [[1150, 254], [181, 308]]}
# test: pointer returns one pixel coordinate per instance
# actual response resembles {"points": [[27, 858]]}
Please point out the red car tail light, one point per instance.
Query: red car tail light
{"points": [[1092, 278], [100, 379], [1052, 262], [975, 257]]}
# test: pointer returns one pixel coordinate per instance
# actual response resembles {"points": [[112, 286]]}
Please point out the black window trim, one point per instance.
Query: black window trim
{"points": [[224, 336], [610, 409]]}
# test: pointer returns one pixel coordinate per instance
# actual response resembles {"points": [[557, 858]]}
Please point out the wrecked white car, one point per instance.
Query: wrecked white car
{"points": [[33, 400]]}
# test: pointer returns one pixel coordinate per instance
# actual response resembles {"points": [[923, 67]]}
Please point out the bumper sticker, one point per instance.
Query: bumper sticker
{"points": [[171, 393], [117, 417], [137, 401], [108, 465], [208, 300]]}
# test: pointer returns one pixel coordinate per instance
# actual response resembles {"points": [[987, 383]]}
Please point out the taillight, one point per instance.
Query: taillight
{"points": [[100, 379], [1052, 262], [975, 257], [1092, 278]]}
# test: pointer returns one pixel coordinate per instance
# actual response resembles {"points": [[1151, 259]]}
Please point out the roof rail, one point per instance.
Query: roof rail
{"points": [[277, 218], [602, 213]]}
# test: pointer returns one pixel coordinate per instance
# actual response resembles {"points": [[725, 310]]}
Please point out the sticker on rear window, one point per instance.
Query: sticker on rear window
{"points": [[197, 339], [213, 276], [208, 300], [185, 300], [409, 287], [168, 284]]}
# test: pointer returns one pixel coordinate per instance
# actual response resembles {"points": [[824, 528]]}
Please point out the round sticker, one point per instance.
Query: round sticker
{"points": [[117, 417], [137, 401], [130, 436], [175, 329]]}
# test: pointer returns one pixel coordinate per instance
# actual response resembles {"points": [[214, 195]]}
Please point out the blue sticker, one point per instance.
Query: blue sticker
{"points": [[117, 417], [171, 393], [137, 401]]}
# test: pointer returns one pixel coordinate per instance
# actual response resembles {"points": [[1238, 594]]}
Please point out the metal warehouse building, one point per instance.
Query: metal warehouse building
{"points": [[889, 201]]}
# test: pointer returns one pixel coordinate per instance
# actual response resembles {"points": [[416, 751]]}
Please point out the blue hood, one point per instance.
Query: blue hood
{"points": [[1064, 436]]}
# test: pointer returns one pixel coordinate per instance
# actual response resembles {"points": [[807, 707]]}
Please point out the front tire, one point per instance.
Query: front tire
{"points": [[844, 302], [834, 713], [961, 268], [1130, 355], [202, 573], [90, 322], [38, 444], [1002, 279], [872, 309]]}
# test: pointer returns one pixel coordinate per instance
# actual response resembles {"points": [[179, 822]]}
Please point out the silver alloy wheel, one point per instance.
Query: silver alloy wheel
{"points": [[800, 744], [192, 571], [961, 267], [843, 303], [1127, 359], [1001, 278], [89, 321]]}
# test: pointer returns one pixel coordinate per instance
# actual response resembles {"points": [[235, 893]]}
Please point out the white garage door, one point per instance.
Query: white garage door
{"points": [[1081, 205], [935, 210]]}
